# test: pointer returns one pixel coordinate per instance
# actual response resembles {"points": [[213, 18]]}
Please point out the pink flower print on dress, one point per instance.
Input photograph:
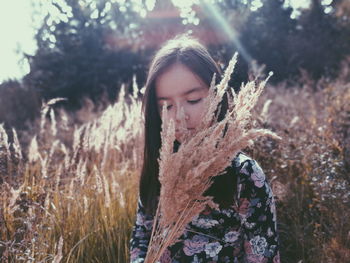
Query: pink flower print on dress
{"points": [[259, 245], [195, 245], [226, 212], [204, 222], [140, 219], [248, 247], [231, 236], [166, 257], [148, 224], [243, 207], [206, 211], [140, 234], [212, 249], [258, 176], [276, 259], [134, 253], [250, 256]]}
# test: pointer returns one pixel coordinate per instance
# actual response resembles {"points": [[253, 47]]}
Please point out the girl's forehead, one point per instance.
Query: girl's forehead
{"points": [[178, 81]]}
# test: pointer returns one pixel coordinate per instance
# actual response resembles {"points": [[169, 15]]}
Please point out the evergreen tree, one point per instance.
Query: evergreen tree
{"points": [[85, 54], [320, 42], [266, 36]]}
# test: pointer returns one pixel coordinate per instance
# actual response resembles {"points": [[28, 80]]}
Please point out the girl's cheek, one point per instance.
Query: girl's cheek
{"points": [[201, 111]]}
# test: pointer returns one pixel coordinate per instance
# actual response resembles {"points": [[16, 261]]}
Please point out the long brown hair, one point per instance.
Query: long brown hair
{"points": [[190, 53]]}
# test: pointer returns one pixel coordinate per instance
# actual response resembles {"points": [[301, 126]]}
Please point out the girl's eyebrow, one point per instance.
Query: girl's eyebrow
{"points": [[185, 93]]}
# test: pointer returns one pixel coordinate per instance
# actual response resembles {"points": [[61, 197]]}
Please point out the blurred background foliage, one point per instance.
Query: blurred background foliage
{"points": [[92, 47]]}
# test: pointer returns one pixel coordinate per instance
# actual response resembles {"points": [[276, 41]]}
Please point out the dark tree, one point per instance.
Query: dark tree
{"points": [[266, 37], [316, 42], [90, 54], [19, 105], [320, 43]]}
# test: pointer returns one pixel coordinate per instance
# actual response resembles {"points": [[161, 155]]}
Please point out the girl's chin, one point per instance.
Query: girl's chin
{"points": [[180, 136]]}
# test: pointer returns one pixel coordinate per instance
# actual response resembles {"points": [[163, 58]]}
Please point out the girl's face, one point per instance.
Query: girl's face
{"points": [[180, 87]]}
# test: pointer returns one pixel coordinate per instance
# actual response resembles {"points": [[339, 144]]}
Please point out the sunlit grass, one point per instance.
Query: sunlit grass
{"points": [[75, 202]]}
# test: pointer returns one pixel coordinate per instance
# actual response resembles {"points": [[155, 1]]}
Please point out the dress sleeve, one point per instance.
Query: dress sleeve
{"points": [[257, 212], [141, 234]]}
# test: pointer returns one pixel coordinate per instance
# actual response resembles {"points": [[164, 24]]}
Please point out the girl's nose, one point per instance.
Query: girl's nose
{"points": [[180, 114]]}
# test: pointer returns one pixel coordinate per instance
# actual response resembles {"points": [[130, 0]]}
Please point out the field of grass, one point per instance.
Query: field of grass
{"points": [[70, 196]]}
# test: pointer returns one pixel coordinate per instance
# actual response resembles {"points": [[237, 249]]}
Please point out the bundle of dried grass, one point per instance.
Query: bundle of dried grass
{"points": [[186, 174]]}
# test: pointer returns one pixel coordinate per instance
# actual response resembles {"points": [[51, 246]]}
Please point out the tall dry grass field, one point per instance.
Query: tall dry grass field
{"points": [[71, 196], [71, 202], [310, 168]]}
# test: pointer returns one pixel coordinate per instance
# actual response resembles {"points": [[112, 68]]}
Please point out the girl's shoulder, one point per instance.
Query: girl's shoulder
{"points": [[240, 158], [247, 168]]}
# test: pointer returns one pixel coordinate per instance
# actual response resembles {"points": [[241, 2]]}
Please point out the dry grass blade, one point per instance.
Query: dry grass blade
{"points": [[34, 154], [58, 257], [4, 153], [45, 108], [16, 145]]}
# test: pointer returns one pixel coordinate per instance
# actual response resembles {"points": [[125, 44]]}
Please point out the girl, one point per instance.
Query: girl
{"points": [[244, 228]]}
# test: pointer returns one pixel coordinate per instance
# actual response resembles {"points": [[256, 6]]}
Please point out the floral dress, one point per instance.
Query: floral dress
{"points": [[246, 232]]}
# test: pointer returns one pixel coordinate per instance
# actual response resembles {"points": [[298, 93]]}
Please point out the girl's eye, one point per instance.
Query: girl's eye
{"points": [[189, 101], [193, 101], [168, 107]]}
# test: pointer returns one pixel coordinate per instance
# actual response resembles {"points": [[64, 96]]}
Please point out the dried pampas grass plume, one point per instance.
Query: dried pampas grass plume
{"points": [[186, 174]]}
